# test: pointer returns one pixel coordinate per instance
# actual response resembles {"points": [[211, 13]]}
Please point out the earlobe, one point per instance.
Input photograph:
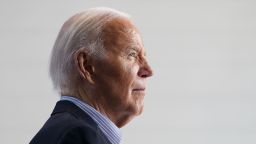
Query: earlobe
{"points": [[83, 65]]}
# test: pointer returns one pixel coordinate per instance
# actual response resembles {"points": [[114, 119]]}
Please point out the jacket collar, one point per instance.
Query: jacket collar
{"points": [[67, 106]]}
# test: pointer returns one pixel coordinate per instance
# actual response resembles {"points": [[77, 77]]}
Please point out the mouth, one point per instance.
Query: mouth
{"points": [[139, 89]]}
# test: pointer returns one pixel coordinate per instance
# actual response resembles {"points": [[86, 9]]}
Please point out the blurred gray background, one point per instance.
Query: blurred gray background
{"points": [[203, 54]]}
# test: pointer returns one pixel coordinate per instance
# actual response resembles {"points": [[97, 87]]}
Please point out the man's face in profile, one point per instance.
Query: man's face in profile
{"points": [[121, 76]]}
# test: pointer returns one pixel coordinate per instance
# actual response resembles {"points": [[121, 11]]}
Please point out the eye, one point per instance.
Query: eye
{"points": [[133, 54]]}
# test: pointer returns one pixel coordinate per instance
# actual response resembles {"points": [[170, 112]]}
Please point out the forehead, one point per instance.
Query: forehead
{"points": [[120, 34]]}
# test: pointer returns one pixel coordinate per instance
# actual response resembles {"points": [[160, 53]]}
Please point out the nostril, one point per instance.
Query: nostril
{"points": [[144, 76], [144, 73]]}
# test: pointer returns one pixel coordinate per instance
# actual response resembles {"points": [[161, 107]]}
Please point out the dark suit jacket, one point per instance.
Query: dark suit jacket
{"points": [[69, 124]]}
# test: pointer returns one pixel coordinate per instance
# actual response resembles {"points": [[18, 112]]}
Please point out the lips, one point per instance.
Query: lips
{"points": [[138, 89]]}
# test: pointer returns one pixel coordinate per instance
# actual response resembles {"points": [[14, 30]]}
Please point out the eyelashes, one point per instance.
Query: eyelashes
{"points": [[133, 54]]}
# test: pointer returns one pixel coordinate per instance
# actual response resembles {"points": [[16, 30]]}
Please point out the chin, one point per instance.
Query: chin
{"points": [[134, 110], [135, 106], [139, 106], [131, 112], [139, 110]]}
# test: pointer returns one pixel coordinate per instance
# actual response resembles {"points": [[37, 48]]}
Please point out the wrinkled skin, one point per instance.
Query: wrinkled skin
{"points": [[118, 81]]}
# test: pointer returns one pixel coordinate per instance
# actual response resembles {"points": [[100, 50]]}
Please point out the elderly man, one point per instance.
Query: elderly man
{"points": [[99, 67]]}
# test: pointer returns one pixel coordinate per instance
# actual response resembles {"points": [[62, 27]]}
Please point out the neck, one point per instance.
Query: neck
{"points": [[118, 117]]}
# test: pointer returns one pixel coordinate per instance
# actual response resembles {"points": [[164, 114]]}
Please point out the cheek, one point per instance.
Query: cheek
{"points": [[123, 83], [129, 75], [118, 77]]}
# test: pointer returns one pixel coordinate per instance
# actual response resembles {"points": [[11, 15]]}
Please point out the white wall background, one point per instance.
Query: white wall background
{"points": [[203, 53]]}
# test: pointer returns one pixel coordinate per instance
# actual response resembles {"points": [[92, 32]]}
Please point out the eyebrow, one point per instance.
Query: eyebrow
{"points": [[136, 48]]}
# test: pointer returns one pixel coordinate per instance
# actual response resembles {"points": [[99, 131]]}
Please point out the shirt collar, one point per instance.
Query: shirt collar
{"points": [[112, 132]]}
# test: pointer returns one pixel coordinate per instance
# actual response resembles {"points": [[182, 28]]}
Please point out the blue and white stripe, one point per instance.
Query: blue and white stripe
{"points": [[112, 132]]}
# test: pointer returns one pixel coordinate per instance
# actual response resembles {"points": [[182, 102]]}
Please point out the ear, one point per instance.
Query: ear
{"points": [[84, 66]]}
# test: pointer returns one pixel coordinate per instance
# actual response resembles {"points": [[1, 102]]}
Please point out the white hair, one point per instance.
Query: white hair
{"points": [[81, 31]]}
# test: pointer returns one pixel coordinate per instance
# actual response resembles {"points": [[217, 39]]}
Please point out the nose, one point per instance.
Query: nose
{"points": [[145, 70]]}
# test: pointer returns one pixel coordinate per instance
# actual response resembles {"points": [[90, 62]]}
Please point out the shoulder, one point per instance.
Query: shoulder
{"points": [[66, 125], [79, 135]]}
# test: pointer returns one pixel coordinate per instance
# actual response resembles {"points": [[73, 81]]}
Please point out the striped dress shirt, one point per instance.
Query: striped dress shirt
{"points": [[112, 132]]}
